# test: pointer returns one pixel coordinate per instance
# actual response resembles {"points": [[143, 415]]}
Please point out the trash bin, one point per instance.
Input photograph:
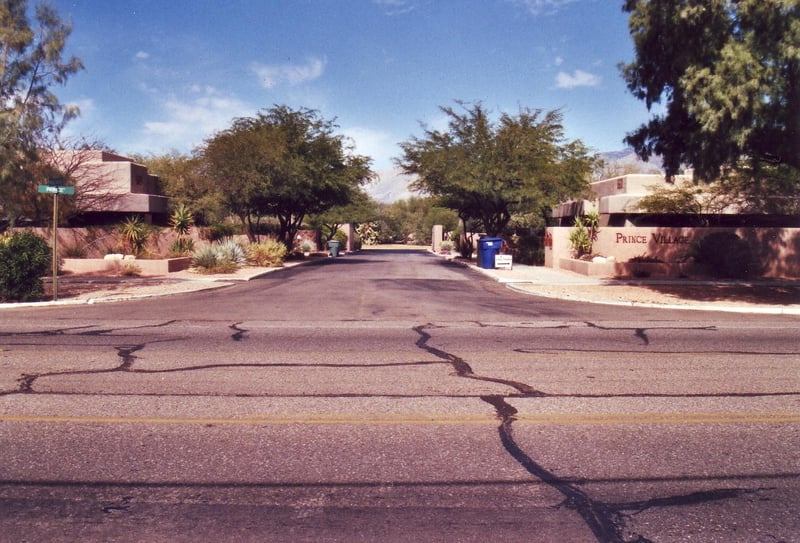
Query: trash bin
{"points": [[333, 246], [487, 248]]}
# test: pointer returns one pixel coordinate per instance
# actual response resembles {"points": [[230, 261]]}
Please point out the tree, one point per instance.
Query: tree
{"points": [[283, 163], [728, 73], [412, 219], [30, 65], [361, 208], [182, 179], [488, 170]]}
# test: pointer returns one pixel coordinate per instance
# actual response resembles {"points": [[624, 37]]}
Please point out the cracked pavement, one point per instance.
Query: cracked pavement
{"points": [[507, 419]]}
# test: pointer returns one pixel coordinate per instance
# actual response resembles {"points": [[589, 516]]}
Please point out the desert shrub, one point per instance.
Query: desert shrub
{"points": [[218, 232], [646, 259], [225, 257], [129, 269], [584, 233], [205, 257], [181, 222], [74, 250], [136, 234], [268, 253], [181, 246], [307, 246], [24, 259], [528, 248], [465, 246], [725, 254]]}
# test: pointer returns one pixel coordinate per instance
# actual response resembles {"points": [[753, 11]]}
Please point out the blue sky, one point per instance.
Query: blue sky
{"points": [[163, 75]]}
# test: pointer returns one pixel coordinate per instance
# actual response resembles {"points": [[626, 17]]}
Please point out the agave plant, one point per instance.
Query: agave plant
{"points": [[136, 233], [225, 257]]}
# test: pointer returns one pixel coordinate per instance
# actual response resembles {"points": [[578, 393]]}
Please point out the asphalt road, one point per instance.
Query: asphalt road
{"points": [[392, 396]]}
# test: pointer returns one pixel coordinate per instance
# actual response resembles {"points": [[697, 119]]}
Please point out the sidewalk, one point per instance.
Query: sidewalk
{"points": [[779, 297]]}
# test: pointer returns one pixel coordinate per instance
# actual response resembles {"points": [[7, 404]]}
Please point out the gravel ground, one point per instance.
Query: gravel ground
{"points": [[685, 294]]}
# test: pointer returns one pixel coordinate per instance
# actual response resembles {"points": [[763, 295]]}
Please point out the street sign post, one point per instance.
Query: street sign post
{"points": [[48, 189], [55, 187]]}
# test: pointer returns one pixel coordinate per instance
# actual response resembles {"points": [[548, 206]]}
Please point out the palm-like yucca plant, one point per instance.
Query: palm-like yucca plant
{"points": [[181, 222], [135, 232]]}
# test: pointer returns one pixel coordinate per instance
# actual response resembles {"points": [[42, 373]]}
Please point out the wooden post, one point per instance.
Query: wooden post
{"points": [[55, 246]]}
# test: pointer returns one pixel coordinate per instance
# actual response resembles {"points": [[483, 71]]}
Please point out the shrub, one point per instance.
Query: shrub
{"points": [[181, 246], [75, 250], [218, 232], [269, 253], [646, 259], [225, 257], [584, 233], [129, 269], [528, 248], [136, 233], [725, 254], [205, 257], [24, 259]]}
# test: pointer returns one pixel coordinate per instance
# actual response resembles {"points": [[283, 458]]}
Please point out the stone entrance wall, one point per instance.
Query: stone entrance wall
{"points": [[776, 249]]}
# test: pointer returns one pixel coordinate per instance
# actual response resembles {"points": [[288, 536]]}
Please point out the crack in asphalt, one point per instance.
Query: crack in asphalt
{"points": [[125, 353], [606, 521], [239, 333], [463, 369]]}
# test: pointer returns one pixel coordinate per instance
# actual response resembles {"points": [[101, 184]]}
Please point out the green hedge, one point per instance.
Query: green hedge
{"points": [[24, 259]]}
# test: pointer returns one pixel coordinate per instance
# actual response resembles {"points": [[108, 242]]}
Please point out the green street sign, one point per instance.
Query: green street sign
{"points": [[48, 189]]}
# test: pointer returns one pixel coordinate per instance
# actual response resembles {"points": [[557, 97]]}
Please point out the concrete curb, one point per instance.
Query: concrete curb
{"points": [[760, 310], [211, 282]]}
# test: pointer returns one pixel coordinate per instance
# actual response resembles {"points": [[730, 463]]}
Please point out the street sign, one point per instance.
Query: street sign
{"points": [[50, 189], [55, 187]]}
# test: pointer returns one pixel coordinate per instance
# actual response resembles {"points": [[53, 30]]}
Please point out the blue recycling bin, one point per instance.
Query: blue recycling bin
{"points": [[487, 248]]}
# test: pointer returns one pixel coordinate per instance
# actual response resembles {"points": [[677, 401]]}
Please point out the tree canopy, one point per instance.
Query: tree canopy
{"points": [[488, 170], [31, 64], [727, 73], [283, 163]]}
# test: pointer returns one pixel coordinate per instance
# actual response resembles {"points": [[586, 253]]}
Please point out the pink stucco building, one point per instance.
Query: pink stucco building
{"points": [[110, 186]]}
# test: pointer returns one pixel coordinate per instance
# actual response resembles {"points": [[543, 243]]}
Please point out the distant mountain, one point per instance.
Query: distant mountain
{"points": [[625, 161], [390, 186]]}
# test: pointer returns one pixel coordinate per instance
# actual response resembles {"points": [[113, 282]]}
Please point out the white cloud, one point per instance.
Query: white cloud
{"points": [[273, 75], [558, 61], [142, 55], [188, 121], [578, 78], [396, 7], [538, 7], [376, 144]]}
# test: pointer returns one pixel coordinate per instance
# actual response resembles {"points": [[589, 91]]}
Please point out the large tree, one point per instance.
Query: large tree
{"points": [[283, 163], [181, 179], [31, 64], [727, 76], [489, 170]]}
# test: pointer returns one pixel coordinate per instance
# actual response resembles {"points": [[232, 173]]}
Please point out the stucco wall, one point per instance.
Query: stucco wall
{"points": [[776, 249]]}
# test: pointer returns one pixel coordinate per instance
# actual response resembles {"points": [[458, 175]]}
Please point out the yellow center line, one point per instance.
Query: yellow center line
{"points": [[414, 419]]}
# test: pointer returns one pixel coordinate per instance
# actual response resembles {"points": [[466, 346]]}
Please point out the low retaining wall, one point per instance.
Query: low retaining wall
{"points": [[147, 267], [631, 269]]}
